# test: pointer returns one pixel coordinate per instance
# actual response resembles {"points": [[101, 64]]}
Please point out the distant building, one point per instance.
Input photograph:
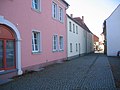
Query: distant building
{"points": [[111, 30], [96, 43], [79, 37]]}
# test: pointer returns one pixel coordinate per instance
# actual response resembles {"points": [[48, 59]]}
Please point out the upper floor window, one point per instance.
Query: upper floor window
{"points": [[60, 14], [36, 4], [36, 41], [55, 42], [54, 10], [61, 42], [70, 26], [73, 28], [76, 29]]}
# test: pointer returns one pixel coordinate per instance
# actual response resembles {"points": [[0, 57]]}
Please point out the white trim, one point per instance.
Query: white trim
{"points": [[39, 41], [62, 43], [39, 6], [18, 42], [55, 50]]}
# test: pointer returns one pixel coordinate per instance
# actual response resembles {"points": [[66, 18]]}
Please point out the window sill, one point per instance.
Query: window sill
{"points": [[36, 10], [55, 51], [61, 50], [36, 52]]}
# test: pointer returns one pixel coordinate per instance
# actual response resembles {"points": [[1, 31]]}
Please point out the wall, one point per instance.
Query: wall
{"points": [[21, 14], [113, 33], [72, 38]]}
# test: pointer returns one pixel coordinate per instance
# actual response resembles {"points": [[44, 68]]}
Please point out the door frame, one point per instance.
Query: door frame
{"points": [[13, 27]]}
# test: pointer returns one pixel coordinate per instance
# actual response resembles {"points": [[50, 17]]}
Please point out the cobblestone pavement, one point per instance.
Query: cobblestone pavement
{"points": [[91, 72], [115, 66]]}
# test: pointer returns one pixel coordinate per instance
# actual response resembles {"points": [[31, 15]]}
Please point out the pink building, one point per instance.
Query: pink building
{"points": [[32, 34]]}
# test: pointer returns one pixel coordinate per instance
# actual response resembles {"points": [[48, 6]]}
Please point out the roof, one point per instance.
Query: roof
{"points": [[82, 24], [65, 2]]}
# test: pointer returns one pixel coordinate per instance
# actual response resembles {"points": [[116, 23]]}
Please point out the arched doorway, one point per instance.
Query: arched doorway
{"points": [[10, 46], [7, 48]]}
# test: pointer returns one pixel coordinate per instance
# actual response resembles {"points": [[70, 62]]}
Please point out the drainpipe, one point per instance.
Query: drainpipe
{"points": [[18, 57]]}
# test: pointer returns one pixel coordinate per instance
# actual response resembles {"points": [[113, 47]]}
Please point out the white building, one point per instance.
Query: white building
{"points": [[73, 42], [79, 38], [112, 33]]}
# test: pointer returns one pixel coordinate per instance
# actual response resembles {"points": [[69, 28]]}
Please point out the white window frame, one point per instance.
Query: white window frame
{"points": [[38, 4], [54, 10], [55, 42], [61, 43], [61, 14], [38, 39]]}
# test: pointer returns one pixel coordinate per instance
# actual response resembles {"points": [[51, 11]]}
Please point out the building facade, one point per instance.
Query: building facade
{"points": [[32, 34], [111, 31], [79, 39]]}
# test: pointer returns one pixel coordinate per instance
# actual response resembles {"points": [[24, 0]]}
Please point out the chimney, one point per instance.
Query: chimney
{"points": [[83, 19], [71, 15]]}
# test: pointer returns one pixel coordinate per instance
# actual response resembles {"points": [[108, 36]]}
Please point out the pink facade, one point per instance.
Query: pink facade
{"points": [[26, 19]]}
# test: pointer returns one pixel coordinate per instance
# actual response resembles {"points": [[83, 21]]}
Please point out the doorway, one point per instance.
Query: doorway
{"points": [[7, 48]]}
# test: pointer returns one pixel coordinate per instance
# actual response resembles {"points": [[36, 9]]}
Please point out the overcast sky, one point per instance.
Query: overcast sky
{"points": [[94, 12]]}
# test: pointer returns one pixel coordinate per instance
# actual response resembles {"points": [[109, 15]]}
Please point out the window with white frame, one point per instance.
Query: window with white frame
{"points": [[70, 47], [61, 43], [70, 26], [76, 29], [55, 42], [54, 10], [60, 14], [73, 28], [36, 4], [36, 41]]}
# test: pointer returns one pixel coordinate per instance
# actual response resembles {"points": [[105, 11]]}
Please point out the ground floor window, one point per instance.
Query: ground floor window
{"points": [[70, 47], [55, 42], [61, 43], [36, 41]]}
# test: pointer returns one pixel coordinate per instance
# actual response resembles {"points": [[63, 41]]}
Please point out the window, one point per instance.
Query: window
{"points": [[76, 47], [60, 14], [76, 29], [70, 47], [54, 10], [35, 41], [36, 5], [70, 27], [73, 28], [61, 42], [55, 43]]}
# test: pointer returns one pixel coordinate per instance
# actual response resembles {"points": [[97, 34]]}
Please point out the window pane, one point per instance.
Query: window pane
{"points": [[1, 54], [36, 42], [10, 53], [54, 10], [35, 4], [36, 47]]}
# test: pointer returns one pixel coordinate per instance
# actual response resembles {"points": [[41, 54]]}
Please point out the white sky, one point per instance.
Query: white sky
{"points": [[94, 12]]}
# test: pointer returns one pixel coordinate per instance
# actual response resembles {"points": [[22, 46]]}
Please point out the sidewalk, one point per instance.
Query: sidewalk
{"points": [[91, 72]]}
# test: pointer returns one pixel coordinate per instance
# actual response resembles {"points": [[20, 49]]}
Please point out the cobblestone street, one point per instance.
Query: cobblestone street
{"points": [[91, 72]]}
